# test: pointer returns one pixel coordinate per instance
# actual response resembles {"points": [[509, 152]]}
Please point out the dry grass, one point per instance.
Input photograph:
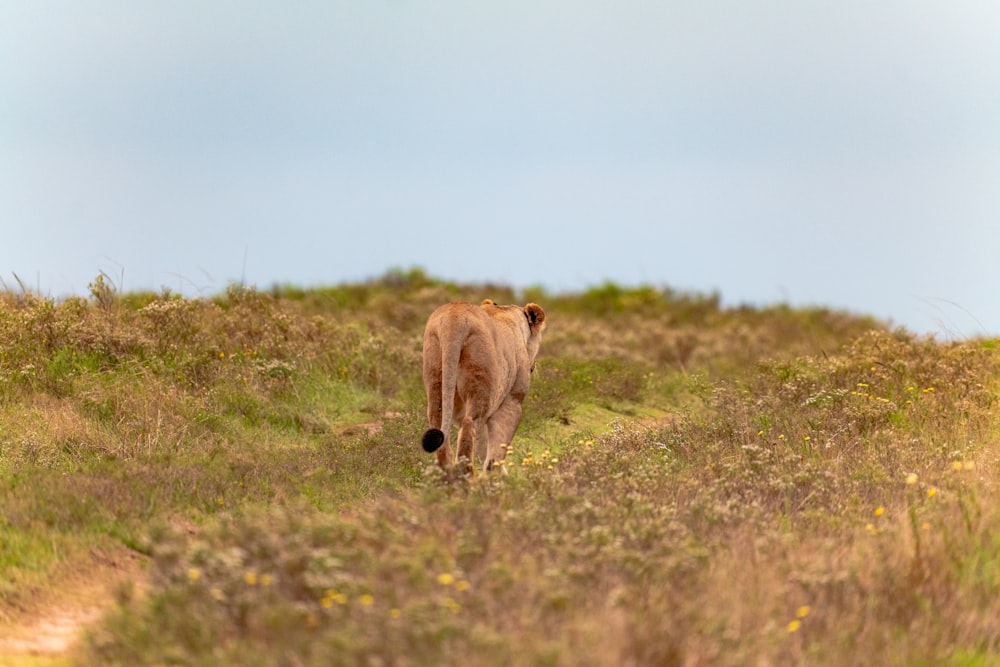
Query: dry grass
{"points": [[692, 485]]}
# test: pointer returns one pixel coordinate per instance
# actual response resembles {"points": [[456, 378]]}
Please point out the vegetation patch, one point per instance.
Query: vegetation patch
{"points": [[690, 485]]}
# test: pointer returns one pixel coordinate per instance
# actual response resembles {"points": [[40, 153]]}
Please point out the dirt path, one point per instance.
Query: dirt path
{"points": [[51, 624]]}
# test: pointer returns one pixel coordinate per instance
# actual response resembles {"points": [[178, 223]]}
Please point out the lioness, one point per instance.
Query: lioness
{"points": [[477, 366]]}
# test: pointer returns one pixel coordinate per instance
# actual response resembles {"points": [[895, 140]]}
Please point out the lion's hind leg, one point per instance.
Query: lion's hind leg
{"points": [[502, 425], [473, 438], [467, 439]]}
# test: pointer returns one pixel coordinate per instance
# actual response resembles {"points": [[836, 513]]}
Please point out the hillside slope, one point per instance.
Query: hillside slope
{"points": [[691, 484]]}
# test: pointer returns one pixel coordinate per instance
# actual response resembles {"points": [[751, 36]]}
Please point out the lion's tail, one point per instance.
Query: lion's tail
{"points": [[450, 348]]}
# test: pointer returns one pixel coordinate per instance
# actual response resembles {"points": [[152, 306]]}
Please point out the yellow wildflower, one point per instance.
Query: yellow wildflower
{"points": [[446, 579], [794, 626], [331, 596]]}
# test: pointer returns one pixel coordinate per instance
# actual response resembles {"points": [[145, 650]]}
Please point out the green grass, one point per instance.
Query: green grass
{"points": [[690, 484]]}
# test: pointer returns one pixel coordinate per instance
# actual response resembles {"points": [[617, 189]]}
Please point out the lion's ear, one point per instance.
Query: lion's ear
{"points": [[534, 313], [488, 302]]}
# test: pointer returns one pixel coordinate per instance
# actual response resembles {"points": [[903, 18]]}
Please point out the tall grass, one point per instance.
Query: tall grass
{"points": [[691, 484], [773, 527], [121, 409]]}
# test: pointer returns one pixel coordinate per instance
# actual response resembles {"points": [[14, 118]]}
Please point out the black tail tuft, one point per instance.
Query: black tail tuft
{"points": [[433, 439]]}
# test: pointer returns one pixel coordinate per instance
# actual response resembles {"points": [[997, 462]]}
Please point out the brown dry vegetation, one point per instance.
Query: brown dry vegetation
{"points": [[691, 484]]}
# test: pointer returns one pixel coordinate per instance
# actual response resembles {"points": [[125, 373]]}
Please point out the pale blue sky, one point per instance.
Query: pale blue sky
{"points": [[830, 153]]}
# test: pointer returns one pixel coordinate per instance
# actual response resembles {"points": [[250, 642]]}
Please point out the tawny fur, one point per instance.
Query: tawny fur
{"points": [[477, 368]]}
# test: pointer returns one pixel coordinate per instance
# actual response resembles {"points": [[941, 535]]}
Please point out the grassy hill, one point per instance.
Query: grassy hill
{"points": [[691, 484]]}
